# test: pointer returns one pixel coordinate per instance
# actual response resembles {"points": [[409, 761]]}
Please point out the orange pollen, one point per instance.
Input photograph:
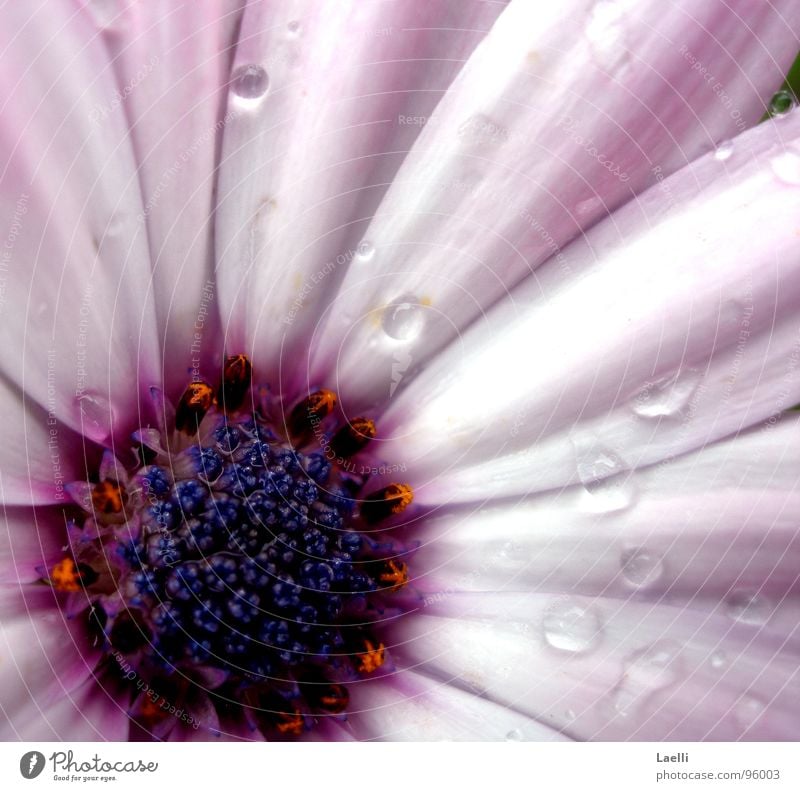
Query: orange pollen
{"points": [[372, 658], [65, 576], [399, 496], [321, 403], [107, 497], [291, 724], [151, 711], [199, 395], [364, 427], [396, 573]]}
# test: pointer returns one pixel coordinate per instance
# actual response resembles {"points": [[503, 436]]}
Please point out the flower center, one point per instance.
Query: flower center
{"points": [[235, 569]]}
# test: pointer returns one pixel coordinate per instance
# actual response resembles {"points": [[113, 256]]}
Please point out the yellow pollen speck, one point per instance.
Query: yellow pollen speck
{"points": [[372, 658], [65, 576]]}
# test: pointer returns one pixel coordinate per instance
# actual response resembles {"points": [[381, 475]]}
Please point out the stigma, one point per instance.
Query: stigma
{"points": [[235, 550]]}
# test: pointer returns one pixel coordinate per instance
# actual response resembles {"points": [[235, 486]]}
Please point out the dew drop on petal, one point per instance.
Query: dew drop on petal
{"points": [[641, 568], [667, 397], [571, 626], [786, 167], [749, 606], [366, 251], [294, 28], [724, 150], [249, 83], [718, 660], [95, 415], [403, 319], [645, 672], [748, 711], [608, 483], [781, 103], [515, 735]]}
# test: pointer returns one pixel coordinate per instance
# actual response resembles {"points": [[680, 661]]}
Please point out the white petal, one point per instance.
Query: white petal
{"points": [[606, 669], [413, 707], [315, 131], [44, 656], [38, 455], [668, 326], [718, 524], [171, 61], [564, 112], [76, 310]]}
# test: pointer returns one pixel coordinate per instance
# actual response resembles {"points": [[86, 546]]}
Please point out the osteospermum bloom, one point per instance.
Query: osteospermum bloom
{"points": [[337, 403]]}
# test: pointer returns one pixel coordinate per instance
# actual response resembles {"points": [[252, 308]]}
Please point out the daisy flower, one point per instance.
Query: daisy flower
{"points": [[399, 370]]}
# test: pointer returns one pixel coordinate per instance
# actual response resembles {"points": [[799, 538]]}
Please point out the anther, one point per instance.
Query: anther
{"points": [[195, 402], [310, 412], [237, 373], [69, 577], [372, 657], [395, 574], [386, 502], [289, 723], [333, 698], [350, 439], [107, 497]]}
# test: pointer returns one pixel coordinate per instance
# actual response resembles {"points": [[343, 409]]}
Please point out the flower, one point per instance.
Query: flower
{"points": [[526, 272]]}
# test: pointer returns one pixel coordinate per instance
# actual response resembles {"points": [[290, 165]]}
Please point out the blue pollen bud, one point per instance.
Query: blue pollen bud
{"points": [[242, 561]]}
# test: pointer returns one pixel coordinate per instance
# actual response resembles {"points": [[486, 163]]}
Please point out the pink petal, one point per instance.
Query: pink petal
{"points": [[171, 61], [601, 668], [668, 326], [44, 657], [77, 312], [30, 540], [315, 132], [413, 707], [563, 113]]}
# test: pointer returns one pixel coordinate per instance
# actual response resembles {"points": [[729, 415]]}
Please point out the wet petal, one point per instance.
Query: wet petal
{"points": [[172, 64], [668, 326], [76, 310], [315, 132], [562, 114]]}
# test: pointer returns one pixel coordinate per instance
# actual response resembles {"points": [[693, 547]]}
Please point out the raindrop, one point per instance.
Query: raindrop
{"points": [[293, 27], [250, 83], [781, 103], [96, 416], [403, 319], [605, 31], [724, 150], [589, 207], [645, 672], [667, 397], [481, 130], [366, 251], [605, 478], [514, 736], [748, 710], [749, 606], [786, 167], [571, 626], [641, 568], [718, 660]]}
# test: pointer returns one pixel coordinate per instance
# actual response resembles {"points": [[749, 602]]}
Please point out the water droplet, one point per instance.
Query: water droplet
{"points": [[667, 397], [249, 83], [781, 103], [724, 150], [641, 568], [571, 626], [718, 660], [645, 672], [607, 481], [589, 207], [570, 713], [748, 711], [786, 167], [749, 606], [294, 28], [605, 31], [514, 736], [403, 319], [95, 415], [366, 251], [481, 130]]}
